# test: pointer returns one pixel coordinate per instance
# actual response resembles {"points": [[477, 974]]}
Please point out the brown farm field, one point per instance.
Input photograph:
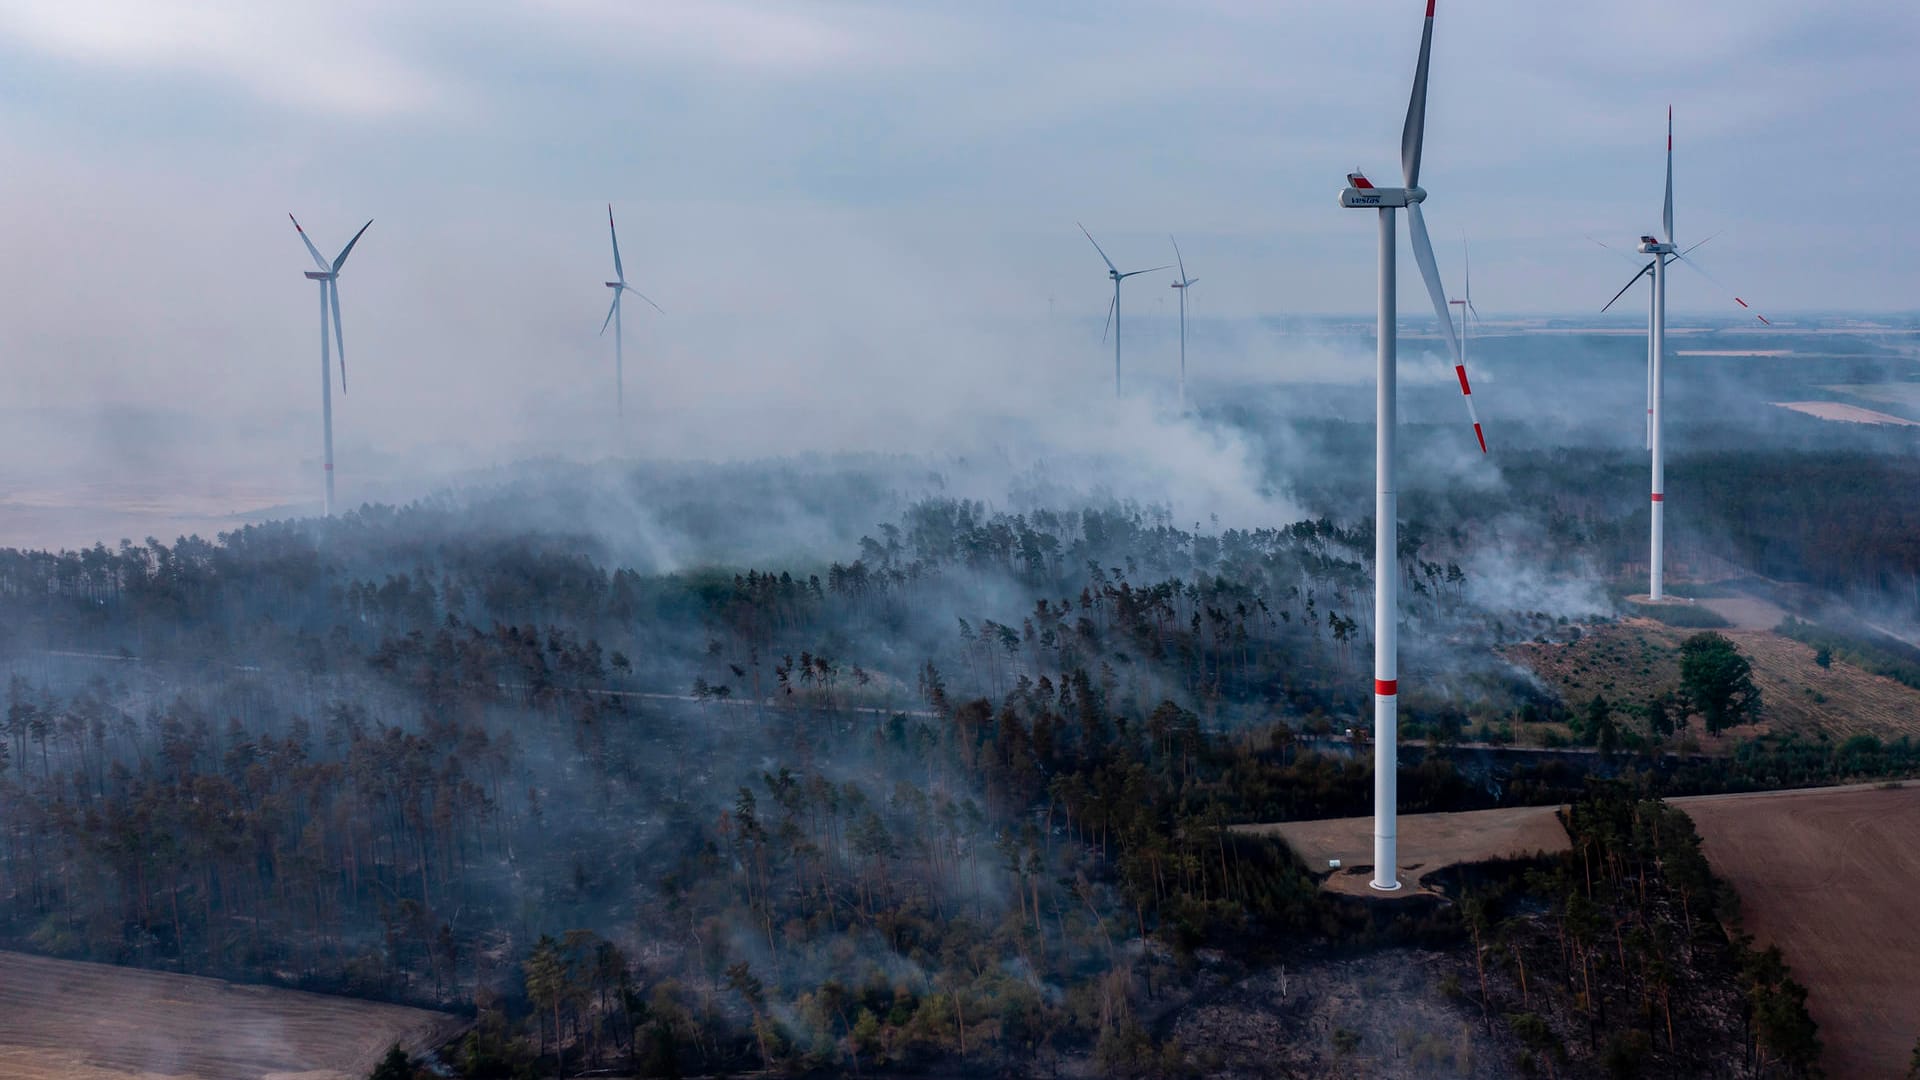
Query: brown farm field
{"points": [[1829, 875], [1635, 660], [65, 1020]]}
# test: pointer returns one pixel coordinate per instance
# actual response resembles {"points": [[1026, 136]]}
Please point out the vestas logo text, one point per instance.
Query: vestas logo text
{"points": [[1364, 200]]}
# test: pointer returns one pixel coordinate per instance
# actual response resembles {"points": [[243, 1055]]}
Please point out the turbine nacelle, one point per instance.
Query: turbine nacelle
{"points": [[615, 284], [315, 275], [1650, 245], [1364, 196]]}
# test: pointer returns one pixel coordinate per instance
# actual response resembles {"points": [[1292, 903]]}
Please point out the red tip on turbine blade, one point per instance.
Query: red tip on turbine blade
{"points": [[1460, 370], [1429, 9], [1478, 434], [1387, 687], [296, 223], [1739, 301], [1762, 318]]}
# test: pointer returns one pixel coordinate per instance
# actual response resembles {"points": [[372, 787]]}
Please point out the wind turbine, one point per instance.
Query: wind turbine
{"points": [[1183, 285], [329, 278], [1113, 310], [613, 316], [1663, 252], [1360, 194]]}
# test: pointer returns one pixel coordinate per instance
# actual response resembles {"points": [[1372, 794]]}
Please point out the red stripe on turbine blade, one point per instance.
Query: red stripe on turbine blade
{"points": [[1762, 318], [1657, 497], [1739, 301], [1461, 370], [1386, 687], [1479, 435]]}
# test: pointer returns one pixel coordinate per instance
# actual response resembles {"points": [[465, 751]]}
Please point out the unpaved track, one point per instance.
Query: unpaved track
{"points": [[1830, 876], [63, 1020]]}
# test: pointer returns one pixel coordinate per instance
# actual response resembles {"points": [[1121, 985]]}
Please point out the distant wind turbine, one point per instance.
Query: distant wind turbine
{"points": [[619, 287], [1465, 304], [1113, 310], [1360, 194], [329, 278], [1663, 252], [1183, 285]]}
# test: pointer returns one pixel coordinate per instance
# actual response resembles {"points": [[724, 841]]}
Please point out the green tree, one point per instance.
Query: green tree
{"points": [[1659, 719], [546, 975], [1823, 657], [1717, 682], [395, 1066], [1600, 726]]}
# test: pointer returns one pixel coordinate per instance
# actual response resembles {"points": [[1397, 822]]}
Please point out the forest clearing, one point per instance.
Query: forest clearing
{"points": [[1829, 876], [1636, 660], [1433, 841], [69, 1020]]}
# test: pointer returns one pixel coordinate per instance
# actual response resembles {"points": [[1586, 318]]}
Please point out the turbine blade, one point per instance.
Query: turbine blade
{"points": [[1644, 271], [1697, 246], [1413, 134], [1702, 271], [1104, 330], [1177, 258], [1611, 248], [1466, 259], [1430, 273], [618, 272], [1666, 217], [643, 296], [339, 337], [1475, 310], [1148, 270], [348, 250], [1096, 247], [1189, 282], [314, 251], [615, 307]]}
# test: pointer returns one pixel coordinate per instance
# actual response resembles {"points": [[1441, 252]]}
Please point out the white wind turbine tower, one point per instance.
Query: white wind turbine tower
{"points": [[1113, 310], [329, 278], [1360, 194], [1663, 252], [613, 316], [1183, 285]]}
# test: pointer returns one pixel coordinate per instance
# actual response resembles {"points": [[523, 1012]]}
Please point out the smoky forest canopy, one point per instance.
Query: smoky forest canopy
{"points": [[953, 785], [939, 788]]}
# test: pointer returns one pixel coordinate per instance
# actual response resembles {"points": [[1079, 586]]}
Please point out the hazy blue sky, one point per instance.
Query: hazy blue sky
{"points": [[845, 168]]}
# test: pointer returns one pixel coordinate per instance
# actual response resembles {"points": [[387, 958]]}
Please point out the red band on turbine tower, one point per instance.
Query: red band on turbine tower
{"points": [[1657, 497], [329, 466], [1386, 687]]}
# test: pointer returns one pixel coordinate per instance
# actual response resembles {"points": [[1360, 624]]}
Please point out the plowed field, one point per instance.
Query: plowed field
{"points": [[61, 1020], [1830, 876]]}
